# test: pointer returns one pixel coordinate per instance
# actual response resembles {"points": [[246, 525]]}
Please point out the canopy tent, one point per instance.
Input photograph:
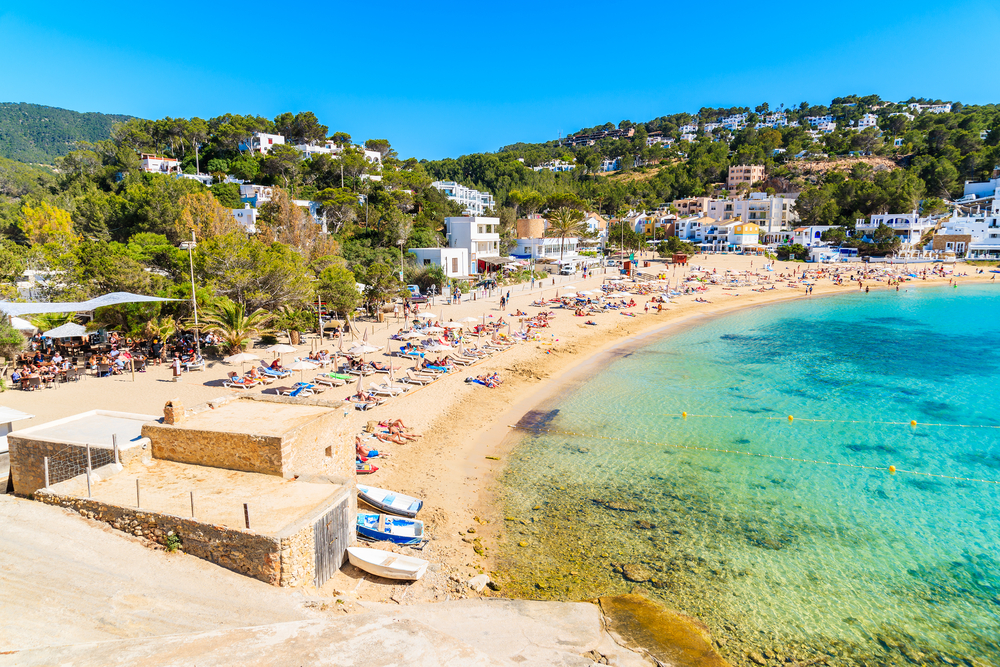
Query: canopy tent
{"points": [[68, 330], [115, 298]]}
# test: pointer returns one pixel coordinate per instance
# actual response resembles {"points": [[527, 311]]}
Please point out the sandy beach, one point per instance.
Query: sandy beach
{"points": [[463, 425]]}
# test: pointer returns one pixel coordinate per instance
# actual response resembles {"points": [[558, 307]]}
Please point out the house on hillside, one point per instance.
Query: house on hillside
{"points": [[262, 142], [155, 164]]}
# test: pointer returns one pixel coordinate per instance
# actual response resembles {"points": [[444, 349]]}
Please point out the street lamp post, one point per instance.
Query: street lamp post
{"points": [[190, 246]]}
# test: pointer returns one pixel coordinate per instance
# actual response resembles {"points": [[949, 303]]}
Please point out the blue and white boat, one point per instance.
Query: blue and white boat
{"points": [[394, 529], [390, 501]]}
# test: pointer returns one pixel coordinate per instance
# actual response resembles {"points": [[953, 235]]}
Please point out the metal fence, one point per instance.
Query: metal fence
{"points": [[78, 460]]}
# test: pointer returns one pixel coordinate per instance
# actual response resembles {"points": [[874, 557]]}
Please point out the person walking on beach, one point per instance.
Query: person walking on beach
{"points": [[502, 303]]}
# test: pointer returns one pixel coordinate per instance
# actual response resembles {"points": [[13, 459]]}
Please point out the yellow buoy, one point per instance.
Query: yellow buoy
{"points": [[892, 470], [684, 414], [913, 422], [790, 418]]}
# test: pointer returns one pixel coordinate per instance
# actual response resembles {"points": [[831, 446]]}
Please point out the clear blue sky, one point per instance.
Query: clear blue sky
{"points": [[448, 78]]}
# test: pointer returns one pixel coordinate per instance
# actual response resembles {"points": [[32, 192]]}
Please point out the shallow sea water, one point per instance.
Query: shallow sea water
{"points": [[782, 555]]}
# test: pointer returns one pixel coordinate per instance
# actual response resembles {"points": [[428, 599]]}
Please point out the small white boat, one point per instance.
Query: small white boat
{"points": [[387, 564], [390, 501], [385, 528]]}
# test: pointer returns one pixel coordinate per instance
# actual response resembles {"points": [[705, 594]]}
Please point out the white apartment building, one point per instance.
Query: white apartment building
{"points": [[930, 108], [909, 227], [771, 214], [474, 201], [261, 142], [976, 236], [688, 136], [555, 165], [479, 236], [819, 120], [155, 164], [868, 120], [690, 127]]}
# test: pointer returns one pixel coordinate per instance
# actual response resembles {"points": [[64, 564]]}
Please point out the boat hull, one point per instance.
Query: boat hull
{"points": [[387, 564], [389, 501]]}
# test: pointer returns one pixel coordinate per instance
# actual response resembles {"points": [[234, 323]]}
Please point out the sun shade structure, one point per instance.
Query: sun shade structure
{"points": [[68, 330], [112, 299], [22, 325]]}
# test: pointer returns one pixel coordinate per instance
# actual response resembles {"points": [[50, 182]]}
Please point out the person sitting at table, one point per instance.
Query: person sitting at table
{"points": [[15, 377], [39, 357]]}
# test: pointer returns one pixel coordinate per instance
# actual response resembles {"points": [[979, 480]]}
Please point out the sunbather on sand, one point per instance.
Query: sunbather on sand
{"points": [[363, 453]]}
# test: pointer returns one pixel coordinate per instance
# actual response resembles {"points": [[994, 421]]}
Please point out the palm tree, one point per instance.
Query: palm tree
{"points": [[160, 327], [49, 321], [232, 323], [565, 222]]}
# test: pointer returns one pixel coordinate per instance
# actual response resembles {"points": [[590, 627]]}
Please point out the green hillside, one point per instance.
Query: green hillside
{"points": [[40, 134]]}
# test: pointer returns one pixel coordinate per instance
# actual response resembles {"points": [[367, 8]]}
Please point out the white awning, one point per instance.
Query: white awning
{"points": [[113, 299], [68, 330]]}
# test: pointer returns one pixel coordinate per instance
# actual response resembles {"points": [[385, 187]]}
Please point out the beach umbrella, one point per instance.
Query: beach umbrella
{"points": [[427, 316], [434, 330], [360, 388], [241, 358], [452, 325], [469, 319], [410, 335], [301, 366], [437, 347], [280, 349]]}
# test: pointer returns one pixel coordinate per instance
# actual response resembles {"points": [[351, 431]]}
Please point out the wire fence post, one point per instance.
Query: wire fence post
{"points": [[192, 504], [246, 514], [89, 470], [114, 443], [137, 505], [46, 472]]}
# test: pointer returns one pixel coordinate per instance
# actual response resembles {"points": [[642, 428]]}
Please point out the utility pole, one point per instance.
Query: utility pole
{"points": [[190, 246]]}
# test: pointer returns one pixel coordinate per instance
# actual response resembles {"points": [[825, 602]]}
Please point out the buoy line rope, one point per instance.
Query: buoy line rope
{"points": [[809, 419], [890, 469]]}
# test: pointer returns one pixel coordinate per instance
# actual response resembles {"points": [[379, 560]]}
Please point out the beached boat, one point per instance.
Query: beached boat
{"points": [[365, 468], [387, 564], [390, 501], [390, 528]]}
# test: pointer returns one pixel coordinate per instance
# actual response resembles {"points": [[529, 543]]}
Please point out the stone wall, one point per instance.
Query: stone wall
{"points": [[298, 557], [27, 459], [232, 451], [940, 240], [319, 447], [287, 560]]}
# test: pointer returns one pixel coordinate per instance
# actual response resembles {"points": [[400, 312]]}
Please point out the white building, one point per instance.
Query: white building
{"points": [[155, 164], [548, 248], [977, 235], [990, 188], [480, 237], [809, 236], [868, 120], [255, 195], [555, 165], [261, 142], [474, 201], [819, 120], [247, 217], [688, 136], [454, 261], [772, 214], [689, 128], [909, 227]]}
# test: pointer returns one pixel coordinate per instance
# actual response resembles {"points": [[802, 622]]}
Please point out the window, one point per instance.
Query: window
{"points": [[454, 264], [427, 262]]}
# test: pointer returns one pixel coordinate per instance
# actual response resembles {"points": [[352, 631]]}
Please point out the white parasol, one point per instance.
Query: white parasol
{"points": [[410, 335], [434, 330], [301, 366], [452, 325], [241, 358], [427, 316]]}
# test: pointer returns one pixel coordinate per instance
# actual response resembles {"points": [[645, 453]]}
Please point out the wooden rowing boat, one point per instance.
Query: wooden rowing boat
{"points": [[387, 564]]}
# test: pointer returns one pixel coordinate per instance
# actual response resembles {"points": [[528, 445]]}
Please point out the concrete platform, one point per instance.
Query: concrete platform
{"points": [[362, 640], [94, 428], [166, 487]]}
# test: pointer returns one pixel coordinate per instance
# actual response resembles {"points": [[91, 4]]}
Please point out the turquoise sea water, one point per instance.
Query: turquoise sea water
{"points": [[795, 557]]}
